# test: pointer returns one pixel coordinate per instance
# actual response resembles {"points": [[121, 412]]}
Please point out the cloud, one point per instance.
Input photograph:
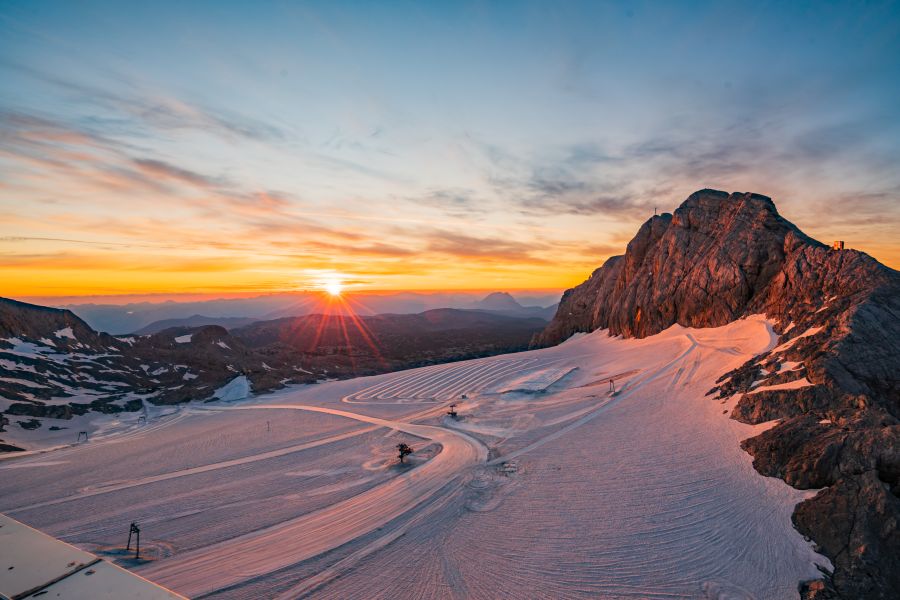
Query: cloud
{"points": [[601, 250], [880, 208], [582, 179], [82, 160], [40, 138], [136, 113], [452, 201], [77, 154], [160, 111], [586, 155], [21, 239], [579, 195], [160, 168], [369, 249], [621, 205], [544, 187], [481, 248]]}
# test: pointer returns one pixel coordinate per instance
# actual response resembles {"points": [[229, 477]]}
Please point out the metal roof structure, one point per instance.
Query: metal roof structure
{"points": [[36, 565]]}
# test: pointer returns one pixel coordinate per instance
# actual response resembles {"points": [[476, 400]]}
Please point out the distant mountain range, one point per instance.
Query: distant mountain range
{"points": [[499, 303], [386, 342], [194, 321], [150, 317], [832, 379]]}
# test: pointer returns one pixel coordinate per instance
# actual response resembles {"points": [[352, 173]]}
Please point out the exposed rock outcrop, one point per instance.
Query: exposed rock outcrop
{"points": [[833, 380], [53, 365]]}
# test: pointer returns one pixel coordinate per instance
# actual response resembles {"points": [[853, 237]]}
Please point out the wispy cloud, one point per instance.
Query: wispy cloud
{"points": [[457, 202], [157, 110], [158, 168], [485, 249]]}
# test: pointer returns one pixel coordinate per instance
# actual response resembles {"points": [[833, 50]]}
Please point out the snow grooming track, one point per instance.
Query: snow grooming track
{"points": [[131, 432], [311, 584], [132, 435], [237, 560], [653, 499], [623, 393], [538, 381], [232, 562], [196, 470], [436, 384]]}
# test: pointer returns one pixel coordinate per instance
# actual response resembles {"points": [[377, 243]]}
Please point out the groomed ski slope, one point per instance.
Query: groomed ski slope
{"points": [[573, 492]]}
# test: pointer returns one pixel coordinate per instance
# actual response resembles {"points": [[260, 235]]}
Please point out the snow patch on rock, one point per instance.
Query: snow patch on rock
{"points": [[236, 389], [65, 332]]}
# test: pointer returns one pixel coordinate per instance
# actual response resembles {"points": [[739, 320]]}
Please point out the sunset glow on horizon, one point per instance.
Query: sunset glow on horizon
{"points": [[283, 148]]}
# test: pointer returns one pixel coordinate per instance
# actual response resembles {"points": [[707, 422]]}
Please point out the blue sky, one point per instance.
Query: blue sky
{"points": [[424, 144]]}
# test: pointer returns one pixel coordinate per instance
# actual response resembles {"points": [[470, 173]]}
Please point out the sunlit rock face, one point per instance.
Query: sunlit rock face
{"points": [[718, 257], [832, 378]]}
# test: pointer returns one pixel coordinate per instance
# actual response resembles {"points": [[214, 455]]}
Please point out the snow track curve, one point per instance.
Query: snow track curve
{"points": [[234, 561]]}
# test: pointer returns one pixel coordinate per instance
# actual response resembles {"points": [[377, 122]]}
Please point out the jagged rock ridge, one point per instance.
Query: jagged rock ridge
{"points": [[723, 256]]}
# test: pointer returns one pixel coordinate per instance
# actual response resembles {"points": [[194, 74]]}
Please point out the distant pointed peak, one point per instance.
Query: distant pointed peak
{"points": [[498, 301]]}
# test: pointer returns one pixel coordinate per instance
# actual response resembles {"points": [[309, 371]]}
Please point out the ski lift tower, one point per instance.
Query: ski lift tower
{"points": [[134, 529]]}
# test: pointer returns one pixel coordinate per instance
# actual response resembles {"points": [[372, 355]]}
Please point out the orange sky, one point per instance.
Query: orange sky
{"points": [[117, 266], [78, 222], [93, 240], [273, 149]]}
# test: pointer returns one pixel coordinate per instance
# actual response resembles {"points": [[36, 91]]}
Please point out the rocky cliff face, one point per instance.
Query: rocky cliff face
{"points": [[722, 256]]}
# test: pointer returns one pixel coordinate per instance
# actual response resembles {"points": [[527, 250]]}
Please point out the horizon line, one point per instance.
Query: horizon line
{"points": [[176, 297]]}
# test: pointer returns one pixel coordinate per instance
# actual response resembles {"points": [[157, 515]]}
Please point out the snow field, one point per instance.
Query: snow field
{"points": [[573, 493]]}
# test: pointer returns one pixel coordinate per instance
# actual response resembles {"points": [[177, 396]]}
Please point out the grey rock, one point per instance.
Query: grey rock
{"points": [[720, 257]]}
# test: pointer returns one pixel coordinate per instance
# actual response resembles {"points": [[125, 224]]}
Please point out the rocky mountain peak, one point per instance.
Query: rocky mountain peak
{"points": [[832, 379], [719, 256]]}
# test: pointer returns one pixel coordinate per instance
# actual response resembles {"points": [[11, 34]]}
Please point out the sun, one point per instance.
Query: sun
{"points": [[333, 287]]}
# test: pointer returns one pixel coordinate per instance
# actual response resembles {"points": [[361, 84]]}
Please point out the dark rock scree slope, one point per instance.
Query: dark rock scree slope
{"points": [[723, 256], [53, 365]]}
